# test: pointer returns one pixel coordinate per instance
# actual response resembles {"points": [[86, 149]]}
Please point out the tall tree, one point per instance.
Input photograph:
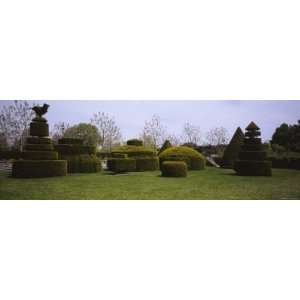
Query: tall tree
{"points": [[281, 135], [109, 132], [59, 130], [85, 131], [154, 130], [191, 134], [14, 122], [217, 136]]}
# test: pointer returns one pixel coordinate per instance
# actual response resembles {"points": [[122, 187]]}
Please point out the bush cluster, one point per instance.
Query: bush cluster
{"points": [[174, 169], [193, 159]]}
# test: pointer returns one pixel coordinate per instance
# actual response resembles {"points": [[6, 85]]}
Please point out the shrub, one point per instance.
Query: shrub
{"points": [[89, 164], [167, 144], [174, 169], [70, 141], [119, 155], [134, 142], [74, 149], [39, 168], [232, 150], [39, 147], [10, 154], [38, 140], [40, 129], [252, 162], [193, 159], [147, 164], [121, 165], [134, 151], [40, 155]]}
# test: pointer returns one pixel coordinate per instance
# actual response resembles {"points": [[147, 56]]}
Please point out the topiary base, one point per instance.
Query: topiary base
{"points": [[39, 168], [253, 168]]}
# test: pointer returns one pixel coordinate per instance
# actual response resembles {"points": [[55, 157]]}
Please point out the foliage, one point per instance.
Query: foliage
{"points": [[87, 132], [193, 159], [146, 164], [74, 149], [167, 144], [174, 169], [121, 165], [232, 150], [134, 142], [14, 122], [40, 155], [134, 151], [109, 132], [70, 141]]}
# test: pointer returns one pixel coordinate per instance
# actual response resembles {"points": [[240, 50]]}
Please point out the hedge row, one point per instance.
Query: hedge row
{"points": [[174, 169], [38, 140], [147, 164], [134, 142], [82, 163], [74, 149], [285, 163], [253, 168], [39, 168], [39, 147], [10, 155], [70, 141], [121, 165], [40, 155]]}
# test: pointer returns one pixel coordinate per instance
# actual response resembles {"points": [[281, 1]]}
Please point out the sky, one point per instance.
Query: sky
{"points": [[130, 116]]}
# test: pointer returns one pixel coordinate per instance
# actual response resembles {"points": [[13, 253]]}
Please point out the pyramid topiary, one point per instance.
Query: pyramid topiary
{"points": [[167, 144], [39, 158], [232, 150], [252, 158]]}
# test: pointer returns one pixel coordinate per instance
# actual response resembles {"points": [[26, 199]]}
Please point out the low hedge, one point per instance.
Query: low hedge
{"points": [[74, 149], [147, 164], [193, 159], [82, 163], [135, 151], [174, 169], [70, 141], [38, 140], [119, 155], [285, 162], [40, 155], [134, 142], [121, 165], [10, 154], [252, 155], [40, 129], [253, 168], [39, 147], [39, 168]]}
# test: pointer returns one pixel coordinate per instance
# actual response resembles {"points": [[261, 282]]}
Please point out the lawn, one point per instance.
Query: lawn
{"points": [[212, 183]]}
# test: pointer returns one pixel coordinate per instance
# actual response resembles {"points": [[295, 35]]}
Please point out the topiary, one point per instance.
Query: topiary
{"points": [[121, 165], [174, 169], [70, 141], [252, 159], [134, 142], [167, 144], [147, 164], [232, 150], [40, 155], [193, 159], [134, 151]]}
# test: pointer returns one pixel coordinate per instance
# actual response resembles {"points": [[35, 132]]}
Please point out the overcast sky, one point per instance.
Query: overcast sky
{"points": [[131, 115]]}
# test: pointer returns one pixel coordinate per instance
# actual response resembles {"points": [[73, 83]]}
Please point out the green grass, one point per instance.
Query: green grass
{"points": [[210, 183]]}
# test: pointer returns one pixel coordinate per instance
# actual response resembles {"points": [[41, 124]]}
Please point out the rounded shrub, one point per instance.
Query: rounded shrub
{"points": [[174, 169], [193, 159], [39, 147], [70, 141], [134, 142], [39, 129], [39, 168], [147, 164], [121, 165], [40, 155], [38, 140]]}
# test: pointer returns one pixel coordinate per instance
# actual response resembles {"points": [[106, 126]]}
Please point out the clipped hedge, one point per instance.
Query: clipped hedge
{"points": [[70, 141], [39, 147], [119, 155], [74, 149], [253, 168], [174, 169], [38, 140], [193, 159], [39, 129], [147, 164], [10, 154], [134, 142], [39, 168], [40, 155], [82, 163], [121, 165], [135, 151]]}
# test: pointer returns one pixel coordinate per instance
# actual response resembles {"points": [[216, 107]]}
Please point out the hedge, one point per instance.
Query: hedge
{"points": [[134, 142], [39, 147], [119, 155], [174, 169], [10, 154], [74, 149], [82, 163], [121, 165], [134, 151], [39, 168], [253, 168], [38, 140], [147, 164], [39, 129], [285, 162], [252, 155], [193, 159], [70, 141], [40, 155]]}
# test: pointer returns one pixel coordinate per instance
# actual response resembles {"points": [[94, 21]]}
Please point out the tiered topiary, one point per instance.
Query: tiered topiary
{"points": [[174, 169], [193, 159], [252, 158], [145, 159], [81, 158], [232, 150], [39, 158]]}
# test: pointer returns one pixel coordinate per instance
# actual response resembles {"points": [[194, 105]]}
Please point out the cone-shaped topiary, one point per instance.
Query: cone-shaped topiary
{"points": [[167, 144], [232, 150], [252, 158]]}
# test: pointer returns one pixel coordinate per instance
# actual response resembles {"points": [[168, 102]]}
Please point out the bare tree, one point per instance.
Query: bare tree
{"points": [[59, 130], [217, 136], [174, 139], [14, 122], [191, 134], [109, 132], [155, 131]]}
